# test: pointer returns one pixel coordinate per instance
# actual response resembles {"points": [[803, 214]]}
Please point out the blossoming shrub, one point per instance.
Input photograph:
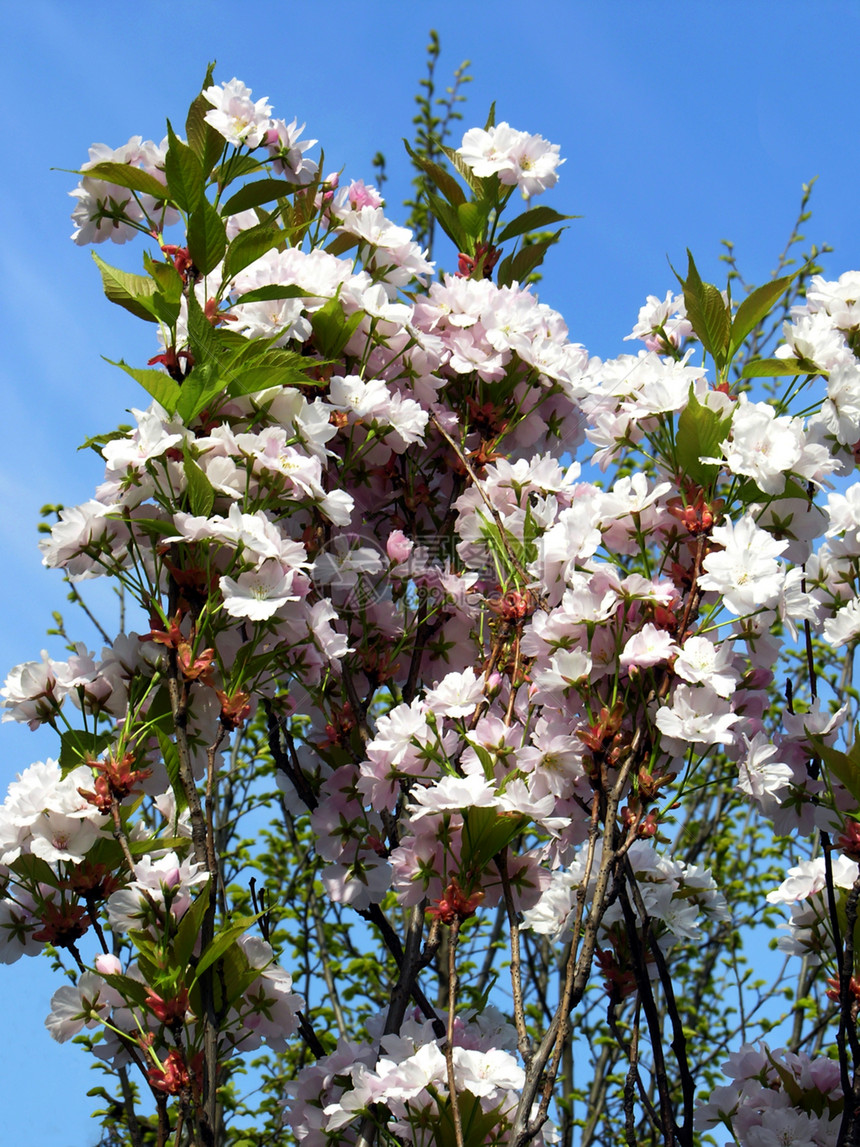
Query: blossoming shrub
{"points": [[363, 516]]}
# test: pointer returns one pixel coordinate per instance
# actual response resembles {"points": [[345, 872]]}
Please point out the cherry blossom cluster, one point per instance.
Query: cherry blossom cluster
{"points": [[407, 1071], [107, 211], [352, 508], [777, 1097], [528, 162]]}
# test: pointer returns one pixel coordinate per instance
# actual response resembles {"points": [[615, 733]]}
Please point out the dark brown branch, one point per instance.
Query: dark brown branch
{"points": [[374, 915], [679, 1040], [669, 1126]]}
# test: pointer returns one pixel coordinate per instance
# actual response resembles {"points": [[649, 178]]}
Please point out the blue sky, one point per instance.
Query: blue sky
{"points": [[681, 124]]}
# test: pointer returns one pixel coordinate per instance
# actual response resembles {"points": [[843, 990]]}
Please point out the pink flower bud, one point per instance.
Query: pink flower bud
{"points": [[398, 547], [108, 965]]}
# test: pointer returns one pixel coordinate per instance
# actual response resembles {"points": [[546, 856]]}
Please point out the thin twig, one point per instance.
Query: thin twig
{"points": [[449, 1043], [493, 511], [523, 1041], [339, 1017]]}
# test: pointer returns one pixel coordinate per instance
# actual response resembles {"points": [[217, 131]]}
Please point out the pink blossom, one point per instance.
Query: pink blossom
{"points": [[695, 716], [398, 546], [456, 695], [258, 594], [528, 161], [235, 116], [454, 794], [650, 646], [759, 774], [745, 571], [74, 1007], [282, 140]]}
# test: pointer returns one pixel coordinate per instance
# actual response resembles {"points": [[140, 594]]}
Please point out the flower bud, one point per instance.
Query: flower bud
{"points": [[108, 965], [398, 547]]}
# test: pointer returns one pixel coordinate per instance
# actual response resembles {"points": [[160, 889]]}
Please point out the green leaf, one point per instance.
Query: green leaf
{"points": [[707, 313], [249, 245], [534, 219], [157, 844], [477, 1125], [201, 494], [170, 756], [133, 292], [165, 301], [472, 219], [477, 185], [448, 219], [166, 310], [756, 306], [257, 367], [778, 368], [106, 851], [203, 339], [34, 870], [203, 384], [206, 380], [235, 976], [255, 352], [186, 179], [486, 832], [77, 744], [126, 175], [518, 267], [332, 329], [203, 139], [155, 528], [189, 929], [234, 167], [844, 766], [491, 117], [700, 432], [256, 379], [155, 382], [272, 293], [209, 345], [132, 991], [441, 178], [222, 942], [150, 957], [487, 761], [167, 278], [207, 237], [98, 441], [256, 194], [792, 1088], [144, 943], [159, 715], [341, 244]]}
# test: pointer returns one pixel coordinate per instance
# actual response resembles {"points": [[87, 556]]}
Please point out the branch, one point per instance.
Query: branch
{"points": [[449, 1042], [578, 968], [374, 915], [523, 1041], [410, 960], [679, 1039]]}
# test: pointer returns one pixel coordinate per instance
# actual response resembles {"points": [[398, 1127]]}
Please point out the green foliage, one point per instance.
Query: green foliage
{"points": [[433, 122], [700, 432], [767, 328]]}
